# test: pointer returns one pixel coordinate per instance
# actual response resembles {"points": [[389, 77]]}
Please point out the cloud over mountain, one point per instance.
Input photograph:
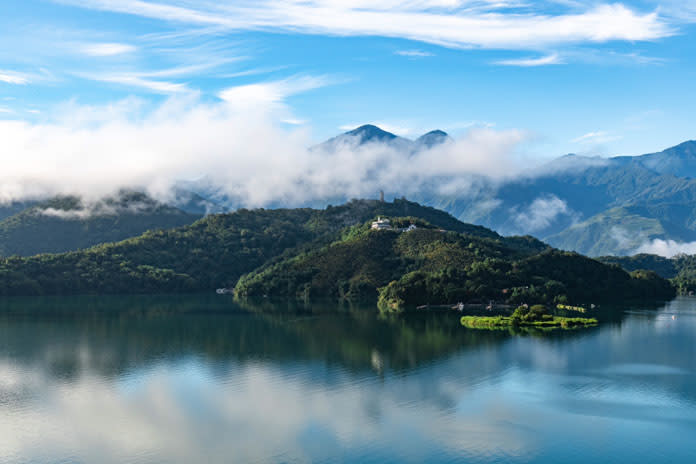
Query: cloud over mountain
{"points": [[241, 150]]}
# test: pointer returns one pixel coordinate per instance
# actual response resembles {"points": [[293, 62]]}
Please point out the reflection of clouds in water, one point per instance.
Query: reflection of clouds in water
{"points": [[257, 413], [605, 391]]}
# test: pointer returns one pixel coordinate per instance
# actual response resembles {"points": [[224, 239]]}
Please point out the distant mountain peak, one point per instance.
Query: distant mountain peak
{"points": [[371, 133], [432, 138]]}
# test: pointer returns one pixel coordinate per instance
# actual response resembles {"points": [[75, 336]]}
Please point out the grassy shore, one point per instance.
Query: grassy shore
{"points": [[534, 317], [502, 322]]}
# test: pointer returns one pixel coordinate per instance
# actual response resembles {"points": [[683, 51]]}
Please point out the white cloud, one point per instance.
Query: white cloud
{"points": [[294, 121], [108, 49], [131, 80], [11, 77], [152, 80], [272, 92], [532, 62], [413, 53], [541, 213], [596, 137], [243, 150], [440, 22], [667, 248], [4, 110]]}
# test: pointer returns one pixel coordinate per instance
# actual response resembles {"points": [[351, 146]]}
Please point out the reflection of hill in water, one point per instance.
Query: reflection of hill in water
{"points": [[110, 335]]}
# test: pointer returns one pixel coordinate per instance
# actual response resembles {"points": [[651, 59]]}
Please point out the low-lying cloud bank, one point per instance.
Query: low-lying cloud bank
{"points": [[667, 248], [243, 153]]}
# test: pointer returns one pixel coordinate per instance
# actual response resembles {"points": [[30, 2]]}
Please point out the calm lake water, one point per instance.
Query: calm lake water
{"points": [[203, 379]]}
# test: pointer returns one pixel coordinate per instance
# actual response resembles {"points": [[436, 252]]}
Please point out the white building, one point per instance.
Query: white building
{"points": [[381, 224]]}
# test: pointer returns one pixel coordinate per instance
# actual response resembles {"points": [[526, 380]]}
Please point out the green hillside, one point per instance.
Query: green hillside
{"points": [[66, 223], [681, 269], [212, 252], [616, 231], [429, 266]]}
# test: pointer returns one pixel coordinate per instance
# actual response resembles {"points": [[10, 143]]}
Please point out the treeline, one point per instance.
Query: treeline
{"points": [[65, 223], [431, 267], [212, 252], [681, 269]]}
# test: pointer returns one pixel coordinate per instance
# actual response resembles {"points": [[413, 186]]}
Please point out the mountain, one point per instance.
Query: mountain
{"points": [[681, 269], [371, 134], [679, 161], [210, 253], [431, 266], [591, 205], [594, 206], [432, 138], [11, 208], [68, 223], [444, 257]]}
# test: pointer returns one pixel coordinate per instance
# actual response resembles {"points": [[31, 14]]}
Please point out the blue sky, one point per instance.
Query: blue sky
{"points": [[576, 76]]}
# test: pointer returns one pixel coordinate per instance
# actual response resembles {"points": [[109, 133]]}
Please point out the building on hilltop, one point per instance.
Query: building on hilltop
{"points": [[381, 224]]}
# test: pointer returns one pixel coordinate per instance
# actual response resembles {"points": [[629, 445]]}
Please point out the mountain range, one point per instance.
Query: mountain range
{"points": [[67, 223], [595, 206], [334, 252]]}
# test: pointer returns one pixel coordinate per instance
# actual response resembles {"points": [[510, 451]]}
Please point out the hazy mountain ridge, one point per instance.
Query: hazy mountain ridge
{"points": [[443, 256], [596, 206], [574, 202], [69, 223]]}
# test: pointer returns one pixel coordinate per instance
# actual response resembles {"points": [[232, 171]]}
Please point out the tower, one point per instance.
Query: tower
{"points": [[381, 196]]}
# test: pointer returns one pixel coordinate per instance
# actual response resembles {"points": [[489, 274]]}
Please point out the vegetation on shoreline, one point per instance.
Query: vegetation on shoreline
{"points": [[680, 269], [333, 253], [213, 252], [535, 317], [429, 266]]}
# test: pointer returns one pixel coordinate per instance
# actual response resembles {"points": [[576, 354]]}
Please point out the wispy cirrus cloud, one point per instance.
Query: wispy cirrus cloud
{"points": [[156, 80], [596, 137], [107, 49], [137, 81], [531, 62], [413, 53], [273, 92], [446, 23], [12, 77]]}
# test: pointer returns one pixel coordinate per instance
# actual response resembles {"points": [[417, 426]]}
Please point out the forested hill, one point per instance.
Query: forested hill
{"points": [[66, 223], [212, 252], [680, 269], [429, 266]]}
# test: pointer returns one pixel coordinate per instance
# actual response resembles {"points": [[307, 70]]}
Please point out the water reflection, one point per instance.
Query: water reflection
{"points": [[172, 379]]}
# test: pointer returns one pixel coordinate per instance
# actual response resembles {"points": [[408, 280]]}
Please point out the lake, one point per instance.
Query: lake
{"points": [[204, 379]]}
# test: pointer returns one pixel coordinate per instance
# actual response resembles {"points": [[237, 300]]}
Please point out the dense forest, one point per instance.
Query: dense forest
{"points": [[67, 223], [681, 269], [431, 266], [332, 253], [212, 252]]}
